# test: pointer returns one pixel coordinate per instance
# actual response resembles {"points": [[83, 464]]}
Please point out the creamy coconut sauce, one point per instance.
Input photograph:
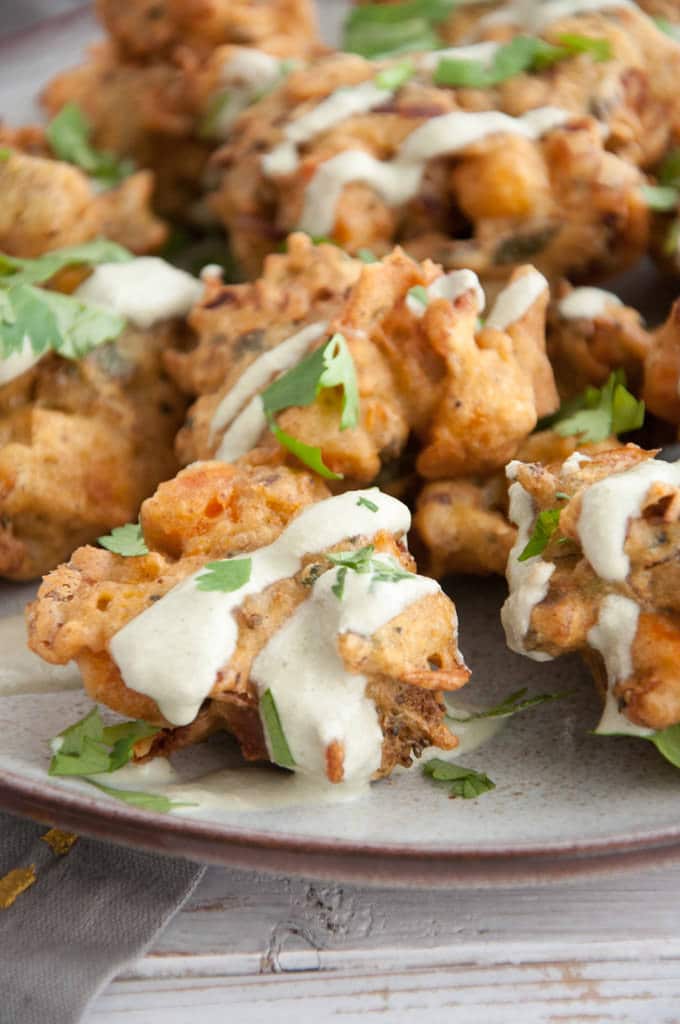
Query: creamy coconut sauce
{"points": [[515, 300], [607, 507], [22, 671], [449, 287], [245, 76], [398, 180], [336, 108], [145, 291], [277, 360], [173, 651], [18, 362], [529, 580], [613, 637], [535, 15], [587, 303]]}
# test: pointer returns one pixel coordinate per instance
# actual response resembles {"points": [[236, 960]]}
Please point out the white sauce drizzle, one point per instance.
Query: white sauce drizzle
{"points": [[606, 508], [246, 429], [146, 290], [22, 671], [318, 700], [336, 108], [586, 303], [14, 365], [173, 651], [398, 180], [515, 300], [613, 637], [245, 76], [529, 580], [535, 15], [575, 460], [450, 287]]}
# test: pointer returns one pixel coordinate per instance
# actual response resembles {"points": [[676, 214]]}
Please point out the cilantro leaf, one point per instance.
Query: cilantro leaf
{"points": [[14, 270], [89, 748], [51, 320], [227, 575], [669, 170], [546, 523], [393, 78], [600, 412], [339, 371], [419, 293], [145, 801], [383, 568], [366, 256], [5, 153], [382, 30], [661, 198], [667, 742], [69, 136], [523, 53], [370, 505], [338, 587], [308, 454], [125, 540], [464, 782], [670, 28], [280, 751], [511, 705]]}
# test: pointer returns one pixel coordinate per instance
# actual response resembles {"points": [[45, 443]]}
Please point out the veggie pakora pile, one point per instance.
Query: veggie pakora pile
{"points": [[421, 224]]}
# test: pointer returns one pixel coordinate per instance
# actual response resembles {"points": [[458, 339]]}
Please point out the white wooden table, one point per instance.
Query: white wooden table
{"points": [[250, 948]]}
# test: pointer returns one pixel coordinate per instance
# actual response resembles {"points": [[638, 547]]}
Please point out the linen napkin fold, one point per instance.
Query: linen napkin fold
{"points": [[89, 912]]}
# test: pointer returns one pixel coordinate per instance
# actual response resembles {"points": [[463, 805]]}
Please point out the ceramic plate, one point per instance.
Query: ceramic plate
{"points": [[565, 801]]}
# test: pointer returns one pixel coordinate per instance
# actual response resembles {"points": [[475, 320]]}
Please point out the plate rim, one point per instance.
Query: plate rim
{"points": [[394, 864]]}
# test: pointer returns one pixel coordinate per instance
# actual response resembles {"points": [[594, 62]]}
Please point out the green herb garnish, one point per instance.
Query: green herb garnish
{"points": [[226, 575], [511, 705], [14, 271], [90, 748], [127, 541], [546, 523], [383, 30], [144, 801], [521, 54], [383, 568], [599, 412], [463, 782], [5, 153], [393, 78], [69, 136], [671, 245], [370, 505], [366, 256], [670, 28], [419, 293], [278, 744], [660, 198]]}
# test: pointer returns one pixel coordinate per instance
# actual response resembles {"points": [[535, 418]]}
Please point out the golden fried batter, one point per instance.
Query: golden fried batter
{"points": [[469, 396], [560, 200], [81, 444], [48, 204], [612, 596], [214, 510]]}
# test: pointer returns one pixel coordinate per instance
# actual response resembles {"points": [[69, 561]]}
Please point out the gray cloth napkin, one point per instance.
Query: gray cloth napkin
{"points": [[89, 914]]}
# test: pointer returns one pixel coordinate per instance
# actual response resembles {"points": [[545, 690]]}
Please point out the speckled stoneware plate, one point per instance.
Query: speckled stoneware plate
{"points": [[566, 801]]}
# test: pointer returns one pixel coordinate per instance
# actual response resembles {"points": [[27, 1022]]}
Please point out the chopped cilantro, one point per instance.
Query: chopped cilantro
{"points": [[546, 523], [227, 575], [14, 271], [366, 256], [144, 801], [523, 53], [667, 742], [670, 28], [5, 153], [463, 782], [660, 198], [393, 78], [90, 748], [370, 505], [383, 568], [278, 744], [511, 705], [381, 30], [309, 454], [338, 587], [599, 412], [419, 293], [125, 540], [69, 136]]}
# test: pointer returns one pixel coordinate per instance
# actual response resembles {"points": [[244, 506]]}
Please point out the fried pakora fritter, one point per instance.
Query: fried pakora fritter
{"points": [[605, 583], [48, 204], [423, 366], [463, 525], [81, 444], [446, 173], [377, 696]]}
